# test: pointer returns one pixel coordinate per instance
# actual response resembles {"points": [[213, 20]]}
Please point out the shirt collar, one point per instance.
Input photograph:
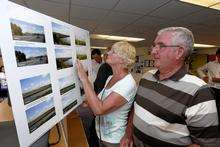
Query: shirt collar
{"points": [[176, 76]]}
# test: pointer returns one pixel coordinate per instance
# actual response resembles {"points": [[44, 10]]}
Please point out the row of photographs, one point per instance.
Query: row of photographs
{"points": [[27, 56], [24, 31]]}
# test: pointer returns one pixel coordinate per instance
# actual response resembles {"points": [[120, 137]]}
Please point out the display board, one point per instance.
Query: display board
{"points": [[39, 54]]}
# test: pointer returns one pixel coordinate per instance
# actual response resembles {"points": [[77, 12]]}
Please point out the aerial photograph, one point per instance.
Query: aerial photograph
{"points": [[40, 113], [80, 40], [35, 87], [66, 84], [68, 101], [24, 31], [63, 58], [61, 34], [26, 56]]}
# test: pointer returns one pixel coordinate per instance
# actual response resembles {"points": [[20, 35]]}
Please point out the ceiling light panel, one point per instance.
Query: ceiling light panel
{"points": [[205, 3]]}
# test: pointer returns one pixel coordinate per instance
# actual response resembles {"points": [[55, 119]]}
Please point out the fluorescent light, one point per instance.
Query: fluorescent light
{"points": [[98, 47], [205, 3], [203, 45], [117, 38], [217, 6]]}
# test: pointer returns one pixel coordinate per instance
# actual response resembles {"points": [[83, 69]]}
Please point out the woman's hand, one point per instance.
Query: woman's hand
{"points": [[126, 140], [81, 71]]}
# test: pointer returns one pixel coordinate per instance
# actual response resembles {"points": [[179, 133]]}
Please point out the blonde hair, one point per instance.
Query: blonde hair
{"points": [[126, 51]]}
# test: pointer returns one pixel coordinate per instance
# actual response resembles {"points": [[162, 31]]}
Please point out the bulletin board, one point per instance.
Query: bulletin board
{"points": [[39, 54]]}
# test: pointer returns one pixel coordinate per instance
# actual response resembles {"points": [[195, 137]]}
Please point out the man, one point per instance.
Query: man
{"points": [[173, 108], [96, 62], [210, 72], [104, 72]]}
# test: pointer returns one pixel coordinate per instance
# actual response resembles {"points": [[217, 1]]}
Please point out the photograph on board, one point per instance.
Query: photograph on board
{"points": [[61, 34], [63, 58], [80, 39], [35, 88], [66, 84], [24, 31], [81, 56], [40, 113], [68, 101], [26, 56], [3, 81]]}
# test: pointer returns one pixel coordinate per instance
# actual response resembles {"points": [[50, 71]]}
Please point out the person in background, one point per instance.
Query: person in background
{"points": [[104, 72], [3, 77], [173, 108], [3, 84], [96, 62], [113, 103], [210, 72]]}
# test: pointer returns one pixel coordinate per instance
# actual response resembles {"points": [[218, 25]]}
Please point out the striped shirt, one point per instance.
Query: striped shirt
{"points": [[177, 111]]}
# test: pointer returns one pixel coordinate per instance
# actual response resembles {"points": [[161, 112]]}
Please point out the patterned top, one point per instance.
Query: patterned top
{"points": [[177, 111]]}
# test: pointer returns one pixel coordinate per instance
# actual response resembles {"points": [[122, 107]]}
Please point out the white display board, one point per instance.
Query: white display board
{"points": [[39, 55]]}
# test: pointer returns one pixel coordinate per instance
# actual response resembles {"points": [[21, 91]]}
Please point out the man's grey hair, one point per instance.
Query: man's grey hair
{"points": [[181, 36]]}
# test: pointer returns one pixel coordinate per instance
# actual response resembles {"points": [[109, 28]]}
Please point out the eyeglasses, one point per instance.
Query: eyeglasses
{"points": [[110, 52], [160, 46]]}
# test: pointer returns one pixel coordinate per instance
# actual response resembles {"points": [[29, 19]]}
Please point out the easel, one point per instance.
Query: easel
{"points": [[63, 133]]}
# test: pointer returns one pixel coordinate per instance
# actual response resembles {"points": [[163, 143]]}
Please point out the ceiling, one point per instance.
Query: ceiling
{"points": [[134, 18]]}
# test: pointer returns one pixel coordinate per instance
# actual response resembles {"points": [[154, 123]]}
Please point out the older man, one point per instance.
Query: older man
{"points": [[173, 108]]}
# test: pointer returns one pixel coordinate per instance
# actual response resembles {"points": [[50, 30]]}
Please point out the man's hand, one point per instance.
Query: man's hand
{"points": [[126, 141]]}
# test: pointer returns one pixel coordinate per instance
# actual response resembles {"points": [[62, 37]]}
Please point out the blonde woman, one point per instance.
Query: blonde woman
{"points": [[114, 102]]}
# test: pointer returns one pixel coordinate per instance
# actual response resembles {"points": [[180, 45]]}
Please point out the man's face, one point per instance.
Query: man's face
{"points": [[97, 58], [164, 56]]}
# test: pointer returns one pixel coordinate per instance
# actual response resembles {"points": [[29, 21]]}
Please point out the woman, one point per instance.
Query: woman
{"points": [[113, 103]]}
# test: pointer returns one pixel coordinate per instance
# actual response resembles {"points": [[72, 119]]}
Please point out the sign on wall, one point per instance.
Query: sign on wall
{"points": [[39, 55]]}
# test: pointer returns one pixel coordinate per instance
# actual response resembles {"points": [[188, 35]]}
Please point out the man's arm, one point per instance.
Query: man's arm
{"points": [[127, 139], [202, 72], [202, 119]]}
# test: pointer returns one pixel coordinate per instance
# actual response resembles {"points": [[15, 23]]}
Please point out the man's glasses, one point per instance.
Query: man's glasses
{"points": [[160, 46]]}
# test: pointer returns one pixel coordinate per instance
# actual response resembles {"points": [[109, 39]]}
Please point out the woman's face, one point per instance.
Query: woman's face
{"points": [[113, 58]]}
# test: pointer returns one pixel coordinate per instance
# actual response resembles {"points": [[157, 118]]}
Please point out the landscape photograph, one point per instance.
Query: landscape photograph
{"points": [[81, 56], [63, 58], [61, 34], [40, 113], [26, 56], [68, 101], [80, 40], [24, 31], [66, 84], [35, 87]]}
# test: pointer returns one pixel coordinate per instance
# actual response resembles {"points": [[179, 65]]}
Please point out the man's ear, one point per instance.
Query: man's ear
{"points": [[181, 53]]}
